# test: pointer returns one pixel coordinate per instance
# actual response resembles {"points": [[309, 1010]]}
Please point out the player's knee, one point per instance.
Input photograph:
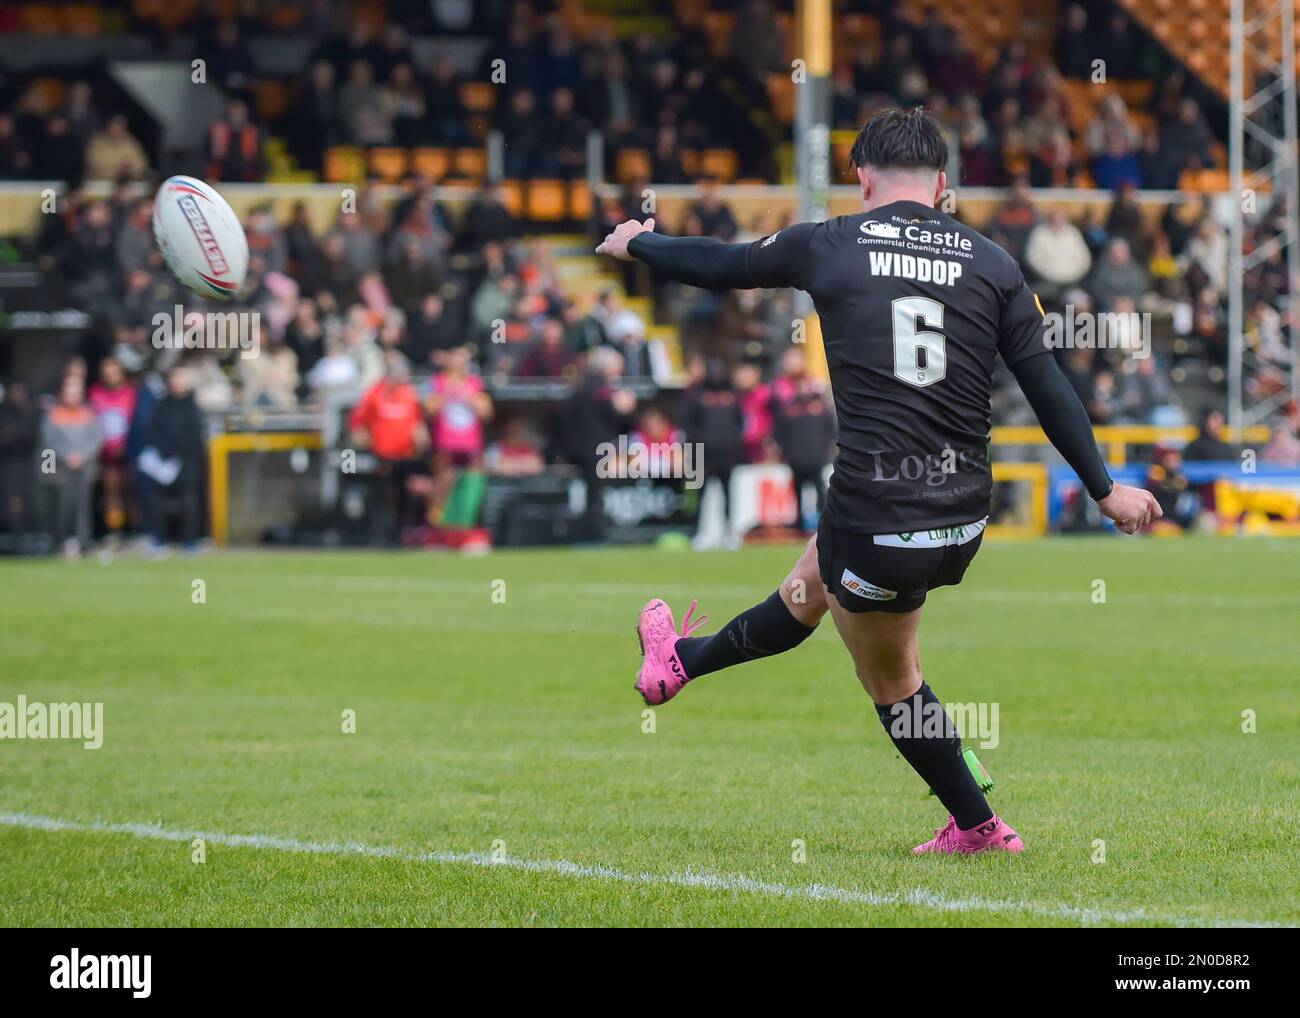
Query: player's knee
{"points": [[802, 589]]}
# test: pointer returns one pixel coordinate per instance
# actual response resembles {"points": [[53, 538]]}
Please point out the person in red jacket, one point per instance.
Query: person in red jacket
{"points": [[389, 421]]}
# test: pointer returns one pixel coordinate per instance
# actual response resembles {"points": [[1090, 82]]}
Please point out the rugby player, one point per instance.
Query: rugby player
{"points": [[914, 307]]}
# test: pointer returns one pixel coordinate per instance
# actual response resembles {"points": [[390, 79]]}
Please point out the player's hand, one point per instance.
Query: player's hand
{"points": [[615, 243], [1130, 508]]}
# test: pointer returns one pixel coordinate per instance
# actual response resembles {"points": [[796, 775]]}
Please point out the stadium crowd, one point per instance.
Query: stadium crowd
{"points": [[405, 306]]}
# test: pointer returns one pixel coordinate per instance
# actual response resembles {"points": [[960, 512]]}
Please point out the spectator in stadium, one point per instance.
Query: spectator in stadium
{"points": [[1116, 274], [1187, 140], [305, 336], [113, 399], [665, 160], [410, 106], [487, 220], [229, 60], [803, 425], [20, 425], [1056, 253], [71, 432], [88, 256], [1169, 484], [266, 240], [514, 453], [1075, 47], [597, 411], [15, 157], [135, 247], [362, 249], [756, 403], [431, 331], [367, 108], [1120, 46], [389, 422], [712, 214], [1014, 218], [1208, 445], [459, 408], [60, 155], [527, 135], [114, 154], [79, 110], [235, 146], [1111, 135], [444, 107], [1207, 248], [758, 42], [549, 356], [334, 378], [565, 152], [1283, 448], [414, 274], [1143, 382], [318, 119], [270, 380], [713, 418]]}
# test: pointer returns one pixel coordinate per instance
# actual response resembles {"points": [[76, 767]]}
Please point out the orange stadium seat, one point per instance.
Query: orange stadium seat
{"points": [[83, 19], [719, 162], [780, 96], [546, 201], [479, 96], [344, 163], [271, 98], [579, 200], [470, 163], [433, 163], [41, 19], [631, 164], [388, 163], [512, 197]]}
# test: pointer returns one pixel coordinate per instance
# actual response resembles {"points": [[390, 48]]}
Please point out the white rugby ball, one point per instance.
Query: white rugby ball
{"points": [[201, 238]]}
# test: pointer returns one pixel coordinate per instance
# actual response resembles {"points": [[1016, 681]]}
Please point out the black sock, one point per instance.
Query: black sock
{"points": [[766, 629], [927, 738]]}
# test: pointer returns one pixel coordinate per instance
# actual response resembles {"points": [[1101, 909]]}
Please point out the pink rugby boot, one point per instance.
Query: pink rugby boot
{"points": [[662, 676], [994, 835]]}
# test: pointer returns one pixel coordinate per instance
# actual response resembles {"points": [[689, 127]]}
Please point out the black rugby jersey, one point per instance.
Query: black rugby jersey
{"points": [[914, 306]]}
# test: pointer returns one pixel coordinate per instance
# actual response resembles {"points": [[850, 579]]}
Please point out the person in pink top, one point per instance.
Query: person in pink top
{"points": [[113, 400], [458, 408]]}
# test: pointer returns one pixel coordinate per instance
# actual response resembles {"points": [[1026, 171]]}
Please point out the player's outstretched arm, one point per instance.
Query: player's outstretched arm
{"points": [[708, 263], [1066, 424]]}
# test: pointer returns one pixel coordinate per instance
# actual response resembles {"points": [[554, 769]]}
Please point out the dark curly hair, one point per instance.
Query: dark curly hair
{"points": [[901, 139]]}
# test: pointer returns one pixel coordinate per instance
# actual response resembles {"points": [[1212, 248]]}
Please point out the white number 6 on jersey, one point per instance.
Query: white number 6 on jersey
{"points": [[919, 356]]}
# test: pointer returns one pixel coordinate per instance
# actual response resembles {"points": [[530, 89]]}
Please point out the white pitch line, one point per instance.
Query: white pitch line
{"points": [[917, 898]]}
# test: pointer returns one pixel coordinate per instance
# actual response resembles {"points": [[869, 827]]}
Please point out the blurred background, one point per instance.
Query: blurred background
{"points": [[423, 183]]}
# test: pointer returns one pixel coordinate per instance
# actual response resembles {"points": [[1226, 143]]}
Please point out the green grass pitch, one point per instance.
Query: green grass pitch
{"points": [[500, 771]]}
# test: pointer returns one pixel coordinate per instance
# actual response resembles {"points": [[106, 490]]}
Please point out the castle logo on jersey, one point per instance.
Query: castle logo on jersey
{"points": [[873, 228]]}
